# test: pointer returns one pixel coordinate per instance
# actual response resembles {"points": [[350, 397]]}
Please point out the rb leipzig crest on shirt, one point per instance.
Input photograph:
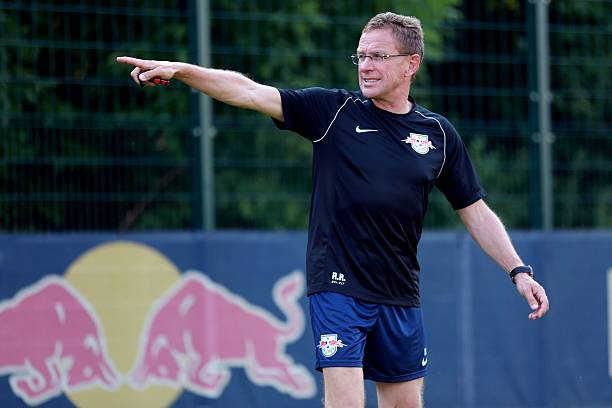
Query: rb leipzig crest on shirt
{"points": [[329, 344], [419, 143]]}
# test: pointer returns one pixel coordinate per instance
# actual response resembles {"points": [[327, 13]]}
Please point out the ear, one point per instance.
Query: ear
{"points": [[414, 63]]}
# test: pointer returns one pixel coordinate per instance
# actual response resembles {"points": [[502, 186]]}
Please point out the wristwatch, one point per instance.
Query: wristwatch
{"points": [[521, 269]]}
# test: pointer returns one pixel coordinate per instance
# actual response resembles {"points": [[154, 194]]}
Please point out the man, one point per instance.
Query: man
{"points": [[377, 155]]}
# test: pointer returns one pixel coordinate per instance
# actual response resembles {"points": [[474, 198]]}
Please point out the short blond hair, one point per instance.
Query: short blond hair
{"points": [[406, 29]]}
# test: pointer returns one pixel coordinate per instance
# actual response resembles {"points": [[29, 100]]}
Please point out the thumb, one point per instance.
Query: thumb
{"points": [[147, 75], [529, 297], [531, 300]]}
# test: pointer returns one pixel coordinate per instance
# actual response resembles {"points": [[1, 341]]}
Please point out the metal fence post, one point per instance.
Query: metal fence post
{"points": [[542, 204], [544, 100], [206, 131]]}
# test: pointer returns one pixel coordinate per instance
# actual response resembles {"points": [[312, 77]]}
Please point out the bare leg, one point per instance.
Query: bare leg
{"points": [[407, 394], [344, 387]]}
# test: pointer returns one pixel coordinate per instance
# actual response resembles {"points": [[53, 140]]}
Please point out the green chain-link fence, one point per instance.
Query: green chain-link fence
{"points": [[83, 148]]}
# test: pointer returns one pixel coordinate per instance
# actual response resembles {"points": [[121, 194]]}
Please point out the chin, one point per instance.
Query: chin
{"points": [[368, 93]]}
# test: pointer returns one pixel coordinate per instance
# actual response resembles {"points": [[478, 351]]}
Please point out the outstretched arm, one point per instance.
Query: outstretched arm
{"points": [[229, 87], [489, 232]]}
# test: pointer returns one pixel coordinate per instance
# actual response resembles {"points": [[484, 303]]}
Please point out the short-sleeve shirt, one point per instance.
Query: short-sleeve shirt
{"points": [[373, 171]]}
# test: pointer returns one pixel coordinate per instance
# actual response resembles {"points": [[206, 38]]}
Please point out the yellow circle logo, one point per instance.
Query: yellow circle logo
{"points": [[121, 281]]}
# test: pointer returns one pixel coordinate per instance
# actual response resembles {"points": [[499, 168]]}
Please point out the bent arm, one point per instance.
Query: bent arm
{"points": [[228, 87], [490, 234]]}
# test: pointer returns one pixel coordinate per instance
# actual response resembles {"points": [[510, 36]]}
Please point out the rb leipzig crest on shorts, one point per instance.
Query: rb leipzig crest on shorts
{"points": [[329, 344], [419, 143]]}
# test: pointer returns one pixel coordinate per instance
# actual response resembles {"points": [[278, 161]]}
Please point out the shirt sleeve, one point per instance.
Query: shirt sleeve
{"points": [[458, 180], [310, 111]]}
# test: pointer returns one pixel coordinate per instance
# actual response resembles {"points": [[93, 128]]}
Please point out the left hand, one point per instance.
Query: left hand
{"points": [[534, 293]]}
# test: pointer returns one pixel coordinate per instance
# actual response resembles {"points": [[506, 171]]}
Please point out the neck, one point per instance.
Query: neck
{"points": [[396, 106]]}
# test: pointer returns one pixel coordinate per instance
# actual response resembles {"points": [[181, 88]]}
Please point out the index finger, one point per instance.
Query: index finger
{"points": [[133, 61]]}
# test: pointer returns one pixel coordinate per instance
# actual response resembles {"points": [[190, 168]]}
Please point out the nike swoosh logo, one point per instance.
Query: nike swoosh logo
{"points": [[358, 130]]}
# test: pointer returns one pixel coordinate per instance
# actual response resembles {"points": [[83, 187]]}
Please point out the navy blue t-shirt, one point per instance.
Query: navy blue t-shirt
{"points": [[373, 171]]}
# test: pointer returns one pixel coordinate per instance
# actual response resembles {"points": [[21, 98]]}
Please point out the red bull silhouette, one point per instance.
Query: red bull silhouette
{"points": [[52, 342], [199, 330]]}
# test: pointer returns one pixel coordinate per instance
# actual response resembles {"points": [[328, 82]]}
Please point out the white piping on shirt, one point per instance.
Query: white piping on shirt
{"points": [[336, 115], [416, 111], [444, 133]]}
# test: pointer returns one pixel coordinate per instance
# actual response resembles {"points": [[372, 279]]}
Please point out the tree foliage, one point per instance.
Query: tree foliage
{"points": [[83, 148], [299, 44]]}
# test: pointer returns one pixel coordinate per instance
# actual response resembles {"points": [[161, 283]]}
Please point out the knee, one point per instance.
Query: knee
{"points": [[407, 394], [402, 403], [343, 401]]}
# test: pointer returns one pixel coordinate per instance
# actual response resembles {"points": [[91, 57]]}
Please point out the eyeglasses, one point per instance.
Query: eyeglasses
{"points": [[359, 59]]}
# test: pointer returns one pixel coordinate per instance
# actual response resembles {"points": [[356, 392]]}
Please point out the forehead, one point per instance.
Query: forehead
{"points": [[382, 39]]}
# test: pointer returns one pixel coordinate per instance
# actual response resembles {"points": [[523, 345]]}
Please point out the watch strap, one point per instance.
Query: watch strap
{"points": [[521, 269]]}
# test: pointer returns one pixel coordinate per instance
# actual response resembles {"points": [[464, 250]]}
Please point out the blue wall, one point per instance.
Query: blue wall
{"points": [[482, 349]]}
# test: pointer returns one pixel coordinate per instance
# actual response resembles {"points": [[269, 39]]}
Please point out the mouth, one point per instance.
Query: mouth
{"points": [[369, 81]]}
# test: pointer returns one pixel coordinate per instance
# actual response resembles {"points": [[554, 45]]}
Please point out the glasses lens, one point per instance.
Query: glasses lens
{"points": [[355, 59]]}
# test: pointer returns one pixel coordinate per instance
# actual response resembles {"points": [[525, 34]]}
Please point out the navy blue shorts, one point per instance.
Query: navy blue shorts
{"points": [[387, 341]]}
